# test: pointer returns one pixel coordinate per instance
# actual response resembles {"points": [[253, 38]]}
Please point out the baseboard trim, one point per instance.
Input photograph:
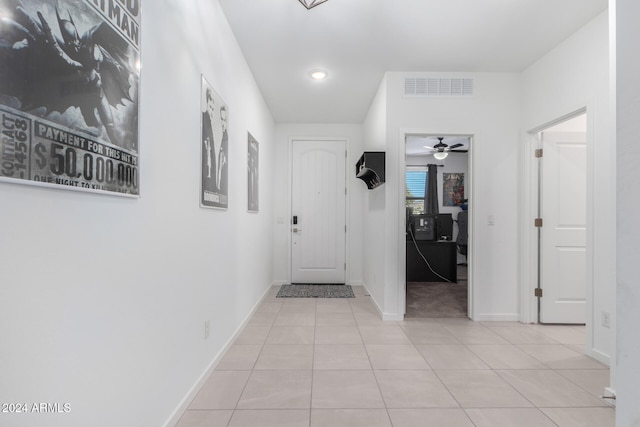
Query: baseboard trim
{"points": [[393, 317], [191, 394], [375, 303], [387, 317], [599, 356]]}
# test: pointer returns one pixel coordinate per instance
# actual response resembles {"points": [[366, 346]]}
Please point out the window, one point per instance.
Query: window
{"points": [[415, 188]]}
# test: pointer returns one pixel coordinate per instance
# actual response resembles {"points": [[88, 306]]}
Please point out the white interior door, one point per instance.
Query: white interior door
{"points": [[563, 238], [318, 226]]}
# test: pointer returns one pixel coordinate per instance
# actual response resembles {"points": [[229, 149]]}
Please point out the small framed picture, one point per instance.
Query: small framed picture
{"points": [[452, 189]]}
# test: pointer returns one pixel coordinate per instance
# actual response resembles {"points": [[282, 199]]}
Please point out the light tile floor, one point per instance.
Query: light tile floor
{"points": [[335, 363]]}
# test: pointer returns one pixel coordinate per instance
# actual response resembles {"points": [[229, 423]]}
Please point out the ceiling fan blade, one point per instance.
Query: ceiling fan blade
{"points": [[455, 146], [458, 151]]}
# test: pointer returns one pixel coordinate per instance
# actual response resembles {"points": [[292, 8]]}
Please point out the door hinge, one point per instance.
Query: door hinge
{"points": [[538, 153], [537, 222], [345, 266], [345, 228], [538, 292]]}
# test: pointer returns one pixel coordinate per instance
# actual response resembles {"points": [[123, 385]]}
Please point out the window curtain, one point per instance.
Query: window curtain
{"points": [[431, 198]]}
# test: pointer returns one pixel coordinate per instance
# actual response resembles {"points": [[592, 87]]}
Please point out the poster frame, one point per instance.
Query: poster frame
{"points": [[58, 149]]}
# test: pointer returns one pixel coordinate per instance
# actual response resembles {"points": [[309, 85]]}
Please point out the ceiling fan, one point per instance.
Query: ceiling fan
{"points": [[441, 150]]}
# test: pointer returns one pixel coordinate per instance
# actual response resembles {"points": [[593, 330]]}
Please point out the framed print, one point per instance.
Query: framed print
{"points": [[215, 149], [69, 78], [253, 175], [452, 189]]}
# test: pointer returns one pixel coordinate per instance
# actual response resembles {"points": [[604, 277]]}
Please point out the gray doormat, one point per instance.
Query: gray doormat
{"points": [[315, 291]]}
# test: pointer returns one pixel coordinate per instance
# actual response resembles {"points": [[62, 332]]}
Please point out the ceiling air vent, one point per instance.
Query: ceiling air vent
{"points": [[424, 87]]}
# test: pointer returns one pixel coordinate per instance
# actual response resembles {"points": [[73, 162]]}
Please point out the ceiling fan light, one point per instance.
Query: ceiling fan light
{"points": [[440, 155]]}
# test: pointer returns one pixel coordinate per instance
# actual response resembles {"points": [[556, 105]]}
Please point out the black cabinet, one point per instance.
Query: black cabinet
{"points": [[370, 168], [441, 255]]}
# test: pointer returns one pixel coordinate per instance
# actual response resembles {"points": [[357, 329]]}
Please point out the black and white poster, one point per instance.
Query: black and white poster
{"points": [[252, 173], [215, 149], [69, 78]]}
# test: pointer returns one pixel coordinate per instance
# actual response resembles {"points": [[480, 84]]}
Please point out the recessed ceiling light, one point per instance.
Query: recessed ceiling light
{"points": [[318, 74]]}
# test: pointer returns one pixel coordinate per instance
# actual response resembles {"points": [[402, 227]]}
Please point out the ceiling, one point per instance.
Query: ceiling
{"points": [[357, 41]]}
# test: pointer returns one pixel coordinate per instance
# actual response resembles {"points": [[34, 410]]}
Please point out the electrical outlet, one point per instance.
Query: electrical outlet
{"points": [[206, 329], [606, 319]]}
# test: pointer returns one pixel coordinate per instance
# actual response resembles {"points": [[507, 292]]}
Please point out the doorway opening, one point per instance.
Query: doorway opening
{"points": [[437, 187]]}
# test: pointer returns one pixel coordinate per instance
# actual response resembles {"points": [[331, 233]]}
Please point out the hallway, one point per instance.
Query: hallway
{"points": [[333, 362]]}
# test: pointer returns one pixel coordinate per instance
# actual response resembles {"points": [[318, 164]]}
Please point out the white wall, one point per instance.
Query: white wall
{"points": [[491, 117], [628, 156], [285, 132], [103, 299], [374, 225], [573, 76]]}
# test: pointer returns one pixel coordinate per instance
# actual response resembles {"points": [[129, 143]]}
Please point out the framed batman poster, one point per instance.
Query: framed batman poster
{"points": [[214, 148], [69, 78]]}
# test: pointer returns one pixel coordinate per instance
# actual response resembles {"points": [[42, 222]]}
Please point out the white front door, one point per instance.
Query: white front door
{"points": [[318, 225], [563, 237]]}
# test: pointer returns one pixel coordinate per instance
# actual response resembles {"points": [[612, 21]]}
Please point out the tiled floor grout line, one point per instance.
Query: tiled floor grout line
{"points": [[363, 312], [548, 367], [373, 371]]}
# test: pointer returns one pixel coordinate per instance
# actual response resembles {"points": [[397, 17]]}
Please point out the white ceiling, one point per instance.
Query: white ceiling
{"points": [[356, 41]]}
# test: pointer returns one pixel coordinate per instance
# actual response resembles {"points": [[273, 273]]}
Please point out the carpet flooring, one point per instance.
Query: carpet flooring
{"points": [[438, 299], [315, 291]]}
